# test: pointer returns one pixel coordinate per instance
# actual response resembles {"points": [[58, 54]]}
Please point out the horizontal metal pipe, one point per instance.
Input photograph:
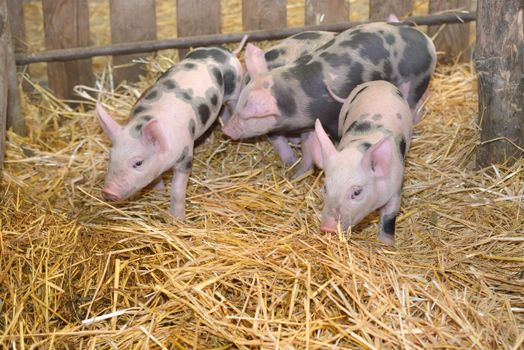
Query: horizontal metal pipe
{"points": [[217, 39]]}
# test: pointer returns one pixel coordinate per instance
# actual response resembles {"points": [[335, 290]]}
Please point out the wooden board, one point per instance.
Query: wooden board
{"points": [[197, 17], [333, 11], [14, 118], [264, 14], [66, 24], [500, 68], [126, 28], [3, 77], [15, 9], [381, 9], [453, 39]]}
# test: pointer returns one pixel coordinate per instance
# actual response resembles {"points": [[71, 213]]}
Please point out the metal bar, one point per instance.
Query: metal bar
{"points": [[217, 39]]}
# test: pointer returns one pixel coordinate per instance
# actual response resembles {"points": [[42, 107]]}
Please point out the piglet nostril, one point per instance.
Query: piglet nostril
{"points": [[328, 229], [329, 224], [109, 195]]}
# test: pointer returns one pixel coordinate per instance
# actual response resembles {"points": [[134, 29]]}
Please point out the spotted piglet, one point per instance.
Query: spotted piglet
{"points": [[288, 99], [365, 171], [166, 120]]}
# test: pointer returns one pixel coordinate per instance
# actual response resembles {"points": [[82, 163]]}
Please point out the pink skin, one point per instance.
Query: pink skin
{"points": [[154, 149], [358, 180], [139, 156]]}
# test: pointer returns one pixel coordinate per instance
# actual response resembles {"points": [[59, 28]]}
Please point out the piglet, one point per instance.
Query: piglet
{"points": [[288, 99], [166, 120], [285, 52], [365, 171]]}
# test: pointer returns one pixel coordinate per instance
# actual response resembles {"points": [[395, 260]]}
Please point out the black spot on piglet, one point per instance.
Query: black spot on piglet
{"points": [[229, 82], [214, 99], [217, 74], [204, 113], [402, 147], [388, 224], [192, 127]]}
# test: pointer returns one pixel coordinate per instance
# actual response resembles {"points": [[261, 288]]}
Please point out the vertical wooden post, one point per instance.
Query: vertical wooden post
{"points": [[453, 39], [197, 17], [12, 117], [66, 25], [131, 20], [499, 57], [381, 9], [15, 9], [264, 14], [4, 42], [334, 11]]}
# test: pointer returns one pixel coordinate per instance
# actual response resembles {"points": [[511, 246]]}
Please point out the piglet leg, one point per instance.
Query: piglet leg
{"points": [[283, 149], [308, 148], [178, 189], [388, 216]]}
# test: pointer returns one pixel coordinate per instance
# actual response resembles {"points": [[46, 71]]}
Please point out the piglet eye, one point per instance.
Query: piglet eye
{"points": [[137, 164], [356, 192]]}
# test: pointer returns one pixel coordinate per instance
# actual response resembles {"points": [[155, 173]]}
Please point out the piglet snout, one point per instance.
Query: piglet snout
{"points": [[110, 195], [231, 130], [329, 225]]}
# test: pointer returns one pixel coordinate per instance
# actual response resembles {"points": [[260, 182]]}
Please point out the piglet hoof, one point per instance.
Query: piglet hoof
{"points": [[387, 239], [178, 215]]}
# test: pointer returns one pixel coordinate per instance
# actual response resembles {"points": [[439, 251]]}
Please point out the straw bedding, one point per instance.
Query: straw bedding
{"points": [[250, 268]]}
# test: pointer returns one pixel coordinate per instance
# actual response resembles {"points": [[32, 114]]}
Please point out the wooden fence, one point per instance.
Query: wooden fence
{"points": [[66, 25], [66, 28]]}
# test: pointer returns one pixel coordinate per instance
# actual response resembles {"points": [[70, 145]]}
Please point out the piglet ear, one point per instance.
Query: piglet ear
{"points": [[323, 148], [377, 159], [109, 125], [255, 61], [152, 136]]}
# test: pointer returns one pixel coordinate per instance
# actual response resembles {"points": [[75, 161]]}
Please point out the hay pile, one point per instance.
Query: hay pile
{"points": [[250, 268]]}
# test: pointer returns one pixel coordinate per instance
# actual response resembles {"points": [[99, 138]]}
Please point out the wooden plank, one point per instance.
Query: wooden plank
{"points": [[15, 9], [500, 67], [3, 77], [321, 11], [381, 9], [453, 39], [13, 116], [197, 17], [264, 14], [131, 21], [216, 39], [66, 24]]}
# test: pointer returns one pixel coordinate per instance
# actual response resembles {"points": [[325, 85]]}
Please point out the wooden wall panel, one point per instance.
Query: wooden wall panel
{"points": [[500, 67], [453, 39], [333, 11], [11, 115], [264, 14], [66, 25], [131, 20], [3, 77], [381, 9], [16, 23], [197, 17]]}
